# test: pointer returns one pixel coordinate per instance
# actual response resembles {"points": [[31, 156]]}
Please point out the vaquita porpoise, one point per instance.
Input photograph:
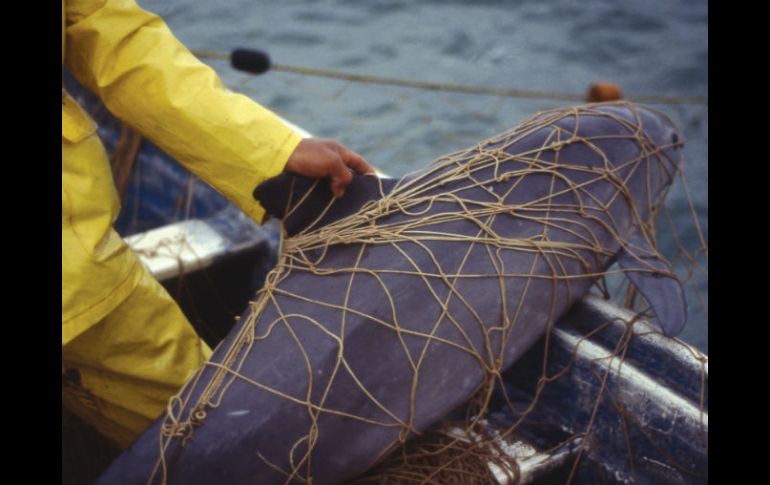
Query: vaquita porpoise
{"points": [[393, 305]]}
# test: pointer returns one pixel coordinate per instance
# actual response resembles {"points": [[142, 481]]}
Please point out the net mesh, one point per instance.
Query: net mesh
{"points": [[461, 229]]}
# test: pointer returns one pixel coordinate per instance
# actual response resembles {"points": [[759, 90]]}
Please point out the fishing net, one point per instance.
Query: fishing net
{"points": [[509, 430], [469, 262], [492, 458]]}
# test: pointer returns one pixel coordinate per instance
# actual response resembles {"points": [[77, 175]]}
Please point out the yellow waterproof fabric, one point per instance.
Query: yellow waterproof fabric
{"points": [[119, 380], [98, 268], [147, 78], [126, 346]]}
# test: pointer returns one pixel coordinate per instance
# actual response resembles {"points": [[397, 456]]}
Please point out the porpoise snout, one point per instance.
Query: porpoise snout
{"points": [[660, 132], [667, 138]]}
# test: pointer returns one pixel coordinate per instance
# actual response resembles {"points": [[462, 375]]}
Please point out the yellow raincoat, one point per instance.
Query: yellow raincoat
{"points": [[129, 343]]}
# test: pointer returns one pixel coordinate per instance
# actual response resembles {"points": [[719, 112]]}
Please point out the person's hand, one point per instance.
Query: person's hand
{"points": [[314, 157]]}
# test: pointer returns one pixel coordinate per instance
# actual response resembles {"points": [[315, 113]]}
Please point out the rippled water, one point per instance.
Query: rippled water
{"points": [[651, 47]]}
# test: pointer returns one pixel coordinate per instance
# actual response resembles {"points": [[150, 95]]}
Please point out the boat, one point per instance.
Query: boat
{"points": [[604, 398]]}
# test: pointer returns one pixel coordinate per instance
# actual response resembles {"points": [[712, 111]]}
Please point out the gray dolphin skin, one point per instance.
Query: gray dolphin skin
{"points": [[333, 368]]}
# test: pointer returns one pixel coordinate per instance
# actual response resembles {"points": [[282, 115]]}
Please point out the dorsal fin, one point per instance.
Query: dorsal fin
{"points": [[298, 201]]}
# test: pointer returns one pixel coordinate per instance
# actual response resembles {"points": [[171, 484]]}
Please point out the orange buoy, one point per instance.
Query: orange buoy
{"points": [[602, 91]]}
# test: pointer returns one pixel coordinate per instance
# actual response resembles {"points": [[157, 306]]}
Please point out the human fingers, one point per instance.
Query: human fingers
{"points": [[341, 177], [355, 161]]}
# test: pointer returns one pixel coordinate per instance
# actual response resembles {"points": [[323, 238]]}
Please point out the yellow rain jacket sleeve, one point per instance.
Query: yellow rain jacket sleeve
{"points": [[147, 78]]}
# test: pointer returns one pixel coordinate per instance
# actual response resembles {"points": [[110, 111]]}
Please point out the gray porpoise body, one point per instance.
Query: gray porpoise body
{"points": [[251, 426]]}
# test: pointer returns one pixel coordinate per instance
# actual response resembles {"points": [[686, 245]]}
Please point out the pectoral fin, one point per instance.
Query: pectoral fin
{"points": [[653, 277]]}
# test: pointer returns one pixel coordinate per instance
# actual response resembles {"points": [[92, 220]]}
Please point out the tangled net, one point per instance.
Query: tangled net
{"points": [[492, 246]]}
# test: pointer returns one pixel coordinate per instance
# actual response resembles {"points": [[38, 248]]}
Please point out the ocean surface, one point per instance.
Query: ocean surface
{"points": [[654, 47]]}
